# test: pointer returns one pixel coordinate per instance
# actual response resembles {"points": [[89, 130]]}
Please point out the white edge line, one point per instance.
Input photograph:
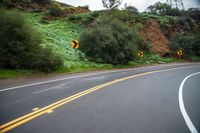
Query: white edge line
{"points": [[182, 106], [61, 79]]}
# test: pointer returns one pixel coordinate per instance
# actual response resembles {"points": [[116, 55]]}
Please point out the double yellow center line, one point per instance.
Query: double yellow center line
{"points": [[23, 119]]}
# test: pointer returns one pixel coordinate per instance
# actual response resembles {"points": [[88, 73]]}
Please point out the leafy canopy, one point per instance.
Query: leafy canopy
{"points": [[20, 45], [163, 9], [111, 4], [111, 39]]}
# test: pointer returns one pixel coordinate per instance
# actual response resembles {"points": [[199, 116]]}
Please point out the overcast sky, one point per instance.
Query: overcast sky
{"points": [[140, 4]]}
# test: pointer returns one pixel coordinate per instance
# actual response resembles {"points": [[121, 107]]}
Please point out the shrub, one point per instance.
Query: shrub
{"points": [[46, 61], [41, 1], [193, 13], [163, 9], [187, 23], [112, 43], [20, 45], [96, 13], [87, 20], [84, 7], [183, 42], [124, 16], [196, 45], [68, 10], [74, 18], [13, 3], [132, 9], [55, 9], [84, 19]]}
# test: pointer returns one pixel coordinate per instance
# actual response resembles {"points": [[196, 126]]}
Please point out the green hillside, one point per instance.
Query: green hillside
{"points": [[157, 31], [58, 35]]}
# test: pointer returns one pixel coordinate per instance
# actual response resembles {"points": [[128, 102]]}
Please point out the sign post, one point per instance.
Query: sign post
{"points": [[179, 53], [75, 45]]}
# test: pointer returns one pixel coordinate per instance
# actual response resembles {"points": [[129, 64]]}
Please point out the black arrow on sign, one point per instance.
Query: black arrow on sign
{"points": [[75, 44]]}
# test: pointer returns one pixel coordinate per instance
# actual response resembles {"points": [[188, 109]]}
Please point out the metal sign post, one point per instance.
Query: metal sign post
{"points": [[75, 45], [179, 53]]}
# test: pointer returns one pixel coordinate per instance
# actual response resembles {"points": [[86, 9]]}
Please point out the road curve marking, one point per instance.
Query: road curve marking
{"points": [[182, 106], [61, 79], [21, 120], [27, 117]]}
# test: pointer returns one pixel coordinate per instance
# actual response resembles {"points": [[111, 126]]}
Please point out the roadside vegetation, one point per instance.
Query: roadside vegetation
{"points": [[17, 73], [116, 42], [20, 45], [41, 40], [188, 44]]}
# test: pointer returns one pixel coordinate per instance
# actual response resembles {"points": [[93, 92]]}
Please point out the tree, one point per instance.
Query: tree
{"points": [[131, 9], [193, 13], [55, 9], [196, 46], [163, 9], [111, 4]]}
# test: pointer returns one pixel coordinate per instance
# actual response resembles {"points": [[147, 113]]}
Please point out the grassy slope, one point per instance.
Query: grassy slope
{"points": [[58, 35], [16, 73]]}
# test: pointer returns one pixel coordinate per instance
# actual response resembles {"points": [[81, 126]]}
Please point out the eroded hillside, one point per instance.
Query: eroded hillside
{"points": [[152, 32]]}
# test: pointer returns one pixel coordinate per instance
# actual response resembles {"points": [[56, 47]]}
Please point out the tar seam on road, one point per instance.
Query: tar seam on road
{"points": [[23, 119], [182, 106]]}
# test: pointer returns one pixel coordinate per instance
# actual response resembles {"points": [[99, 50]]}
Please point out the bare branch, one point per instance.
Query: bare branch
{"points": [[111, 4]]}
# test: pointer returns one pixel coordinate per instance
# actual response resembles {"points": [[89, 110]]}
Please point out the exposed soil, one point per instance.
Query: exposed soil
{"points": [[152, 32]]}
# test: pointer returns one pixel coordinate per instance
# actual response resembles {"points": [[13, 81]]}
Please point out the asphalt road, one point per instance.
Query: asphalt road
{"points": [[145, 100]]}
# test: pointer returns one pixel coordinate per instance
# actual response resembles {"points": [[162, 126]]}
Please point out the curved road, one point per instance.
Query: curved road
{"points": [[158, 99]]}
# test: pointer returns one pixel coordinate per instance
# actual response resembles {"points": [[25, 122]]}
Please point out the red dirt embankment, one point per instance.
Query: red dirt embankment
{"points": [[152, 32]]}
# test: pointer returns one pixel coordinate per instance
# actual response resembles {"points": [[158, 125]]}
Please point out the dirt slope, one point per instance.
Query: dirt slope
{"points": [[151, 31]]}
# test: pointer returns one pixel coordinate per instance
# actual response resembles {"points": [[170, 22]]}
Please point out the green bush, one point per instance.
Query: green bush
{"points": [[20, 45], [41, 1], [183, 42], [96, 13], [193, 13], [74, 18], [55, 9], [9, 3], [187, 24], [68, 10], [132, 9], [84, 7], [4, 3], [123, 16], [163, 9], [189, 44], [196, 45], [112, 43], [85, 19]]}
